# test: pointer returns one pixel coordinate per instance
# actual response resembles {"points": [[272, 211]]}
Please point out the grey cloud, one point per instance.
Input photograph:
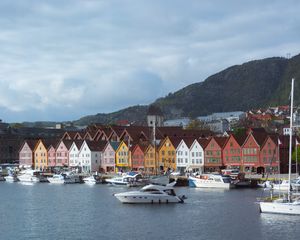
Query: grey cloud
{"points": [[74, 54]]}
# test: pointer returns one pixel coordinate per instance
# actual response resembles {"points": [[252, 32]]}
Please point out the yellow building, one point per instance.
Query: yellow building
{"points": [[167, 155], [150, 159], [123, 158], [40, 156]]}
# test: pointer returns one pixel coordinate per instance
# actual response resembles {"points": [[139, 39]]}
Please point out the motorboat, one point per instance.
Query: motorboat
{"points": [[91, 180], [57, 179], [64, 178], [151, 194], [11, 177], [211, 181], [128, 179], [28, 175]]}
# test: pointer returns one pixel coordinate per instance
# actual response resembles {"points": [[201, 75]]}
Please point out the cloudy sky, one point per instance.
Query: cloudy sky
{"points": [[64, 59]]}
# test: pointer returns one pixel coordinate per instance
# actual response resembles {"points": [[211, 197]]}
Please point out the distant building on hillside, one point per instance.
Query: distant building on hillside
{"points": [[229, 116], [154, 116], [180, 122]]}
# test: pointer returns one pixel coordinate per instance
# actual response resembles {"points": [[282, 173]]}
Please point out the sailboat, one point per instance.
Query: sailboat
{"points": [[287, 204]]}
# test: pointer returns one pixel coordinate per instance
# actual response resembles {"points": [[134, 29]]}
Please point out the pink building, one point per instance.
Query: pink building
{"points": [[62, 153], [108, 157], [26, 153]]}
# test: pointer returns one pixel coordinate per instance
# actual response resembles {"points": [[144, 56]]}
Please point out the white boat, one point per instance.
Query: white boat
{"points": [[56, 179], [11, 178], [286, 204], [211, 181], [151, 194], [127, 179], [28, 176], [64, 178], [91, 180]]}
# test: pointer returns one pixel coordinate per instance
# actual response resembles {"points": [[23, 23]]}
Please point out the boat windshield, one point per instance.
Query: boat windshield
{"points": [[154, 191]]}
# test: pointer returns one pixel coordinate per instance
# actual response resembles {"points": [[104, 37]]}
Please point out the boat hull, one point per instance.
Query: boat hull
{"points": [[280, 208], [28, 179], [205, 183], [136, 198], [11, 179], [56, 181]]}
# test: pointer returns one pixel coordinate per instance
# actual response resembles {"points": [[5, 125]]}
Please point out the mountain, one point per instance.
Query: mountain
{"points": [[254, 84]]}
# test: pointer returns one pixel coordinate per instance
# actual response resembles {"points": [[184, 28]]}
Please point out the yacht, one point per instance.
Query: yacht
{"points": [[93, 179], [56, 179], [64, 178], [211, 181], [151, 194], [128, 179], [28, 175]]}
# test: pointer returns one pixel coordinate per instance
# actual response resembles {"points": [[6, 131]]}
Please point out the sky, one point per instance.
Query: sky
{"points": [[64, 59]]}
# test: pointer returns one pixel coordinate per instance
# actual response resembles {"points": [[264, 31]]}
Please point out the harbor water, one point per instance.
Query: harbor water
{"points": [[45, 211]]}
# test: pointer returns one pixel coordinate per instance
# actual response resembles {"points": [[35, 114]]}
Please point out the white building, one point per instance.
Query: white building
{"points": [[190, 156], [74, 153], [196, 163], [90, 155]]}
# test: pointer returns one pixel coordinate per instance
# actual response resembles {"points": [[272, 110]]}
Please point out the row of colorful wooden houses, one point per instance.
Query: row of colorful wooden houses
{"points": [[113, 149]]}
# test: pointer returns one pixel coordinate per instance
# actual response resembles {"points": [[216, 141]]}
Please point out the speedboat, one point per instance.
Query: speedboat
{"points": [[91, 180], [151, 194], [28, 176], [211, 181]]}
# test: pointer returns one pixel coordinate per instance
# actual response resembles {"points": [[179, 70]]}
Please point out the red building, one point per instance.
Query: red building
{"points": [[232, 151], [138, 158], [269, 155], [213, 154], [251, 152]]}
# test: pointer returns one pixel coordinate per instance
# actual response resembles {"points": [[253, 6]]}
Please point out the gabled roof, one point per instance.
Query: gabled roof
{"points": [[188, 141], [135, 134], [78, 143], [260, 137], [96, 146], [31, 143], [221, 141], [203, 142], [240, 138], [69, 134], [175, 141], [114, 145], [67, 143], [48, 143]]}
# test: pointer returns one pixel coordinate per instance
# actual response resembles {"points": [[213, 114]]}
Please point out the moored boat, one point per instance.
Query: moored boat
{"points": [[288, 204], [151, 194], [128, 179], [91, 180], [28, 175], [211, 181]]}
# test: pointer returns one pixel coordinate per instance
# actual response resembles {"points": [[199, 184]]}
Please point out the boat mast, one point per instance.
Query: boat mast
{"points": [[291, 136], [154, 144]]}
